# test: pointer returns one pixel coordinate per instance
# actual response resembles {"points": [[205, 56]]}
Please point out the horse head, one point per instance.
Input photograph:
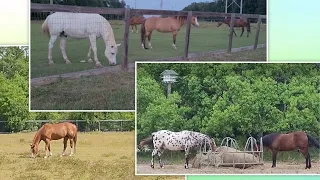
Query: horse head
{"points": [[111, 53], [213, 144], [34, 150], [194, 21]]}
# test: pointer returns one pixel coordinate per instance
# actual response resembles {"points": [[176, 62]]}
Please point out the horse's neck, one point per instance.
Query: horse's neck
{"points": [[37, 137]]}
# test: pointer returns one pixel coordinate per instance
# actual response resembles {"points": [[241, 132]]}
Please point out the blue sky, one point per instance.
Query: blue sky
{"points": [[167, 4]]}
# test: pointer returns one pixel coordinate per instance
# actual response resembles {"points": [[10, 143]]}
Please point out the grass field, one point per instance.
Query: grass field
{"points": [[112, 91], [206, 38], [98, 156], [251, 55]]}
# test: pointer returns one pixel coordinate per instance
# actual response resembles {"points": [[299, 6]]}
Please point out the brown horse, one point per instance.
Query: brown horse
{"points": [[289, 142], [134, 21], [242, 22], [50, 132], [165, 25]]}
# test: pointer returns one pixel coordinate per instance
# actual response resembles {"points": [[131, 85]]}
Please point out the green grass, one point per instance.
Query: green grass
{"points": [[206, 38], [250, 55], [89, 161], [112, 91]]}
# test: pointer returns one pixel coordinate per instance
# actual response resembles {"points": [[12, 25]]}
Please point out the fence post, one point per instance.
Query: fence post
{"points": [[51, 2], [257, 33], [231, 32], [126, 39], [186, 43]]}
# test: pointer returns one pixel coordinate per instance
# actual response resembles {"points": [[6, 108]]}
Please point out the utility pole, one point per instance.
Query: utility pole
{"points": [[161, 4], [233, 1], [135, 4]]}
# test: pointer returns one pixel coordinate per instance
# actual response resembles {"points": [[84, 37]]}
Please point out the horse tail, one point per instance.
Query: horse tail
{"points": [[313, 141], [143, 34], [75, 141], [248, 26], [45, 27]]}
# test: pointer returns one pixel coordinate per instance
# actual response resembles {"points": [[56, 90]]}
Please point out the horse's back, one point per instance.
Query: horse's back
{"points": [[76, 24]]}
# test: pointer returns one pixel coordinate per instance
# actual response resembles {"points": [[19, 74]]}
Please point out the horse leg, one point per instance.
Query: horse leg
{"points": [[174, 39], [65, 141], [274, 158], [154, 152], [53, 39], [148, 34], [234, 33], [71, 146], [136, 28], [93, 40], [50, 153], [306, 154], [89, 55], [186, 154], [242, 31], [131, 28], [63, 49], [47, 141], [159, 157]]}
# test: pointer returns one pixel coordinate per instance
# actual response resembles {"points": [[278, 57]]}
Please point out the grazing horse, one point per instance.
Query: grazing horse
{"points": [[79, 26], [178, 141], [165, 25], [50, 132], [134, 21], [242, 22], [289, 142]]}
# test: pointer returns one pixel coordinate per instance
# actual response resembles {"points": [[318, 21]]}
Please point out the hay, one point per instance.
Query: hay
{"points": [[222, 156]]}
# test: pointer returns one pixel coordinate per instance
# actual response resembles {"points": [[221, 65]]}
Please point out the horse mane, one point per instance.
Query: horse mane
{"points": [[37, 135], [268, 139], [181, 19], [146, 141]]}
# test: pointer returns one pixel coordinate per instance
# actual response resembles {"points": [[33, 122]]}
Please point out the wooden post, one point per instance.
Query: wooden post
{"points": [[186, 43], [126, 39], [231, 32], [257, 33], [51, 2]]}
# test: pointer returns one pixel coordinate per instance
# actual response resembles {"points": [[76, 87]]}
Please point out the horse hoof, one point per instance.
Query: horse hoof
{"points": [[99, 65], [90, 60], [152, 166], [45, 157], [68, 62], [51, 63]]}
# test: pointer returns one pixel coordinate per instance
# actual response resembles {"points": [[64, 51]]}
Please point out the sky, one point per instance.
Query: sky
{"points": [[167, 4]]}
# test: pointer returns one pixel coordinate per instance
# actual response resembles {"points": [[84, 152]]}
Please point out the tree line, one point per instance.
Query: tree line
{"points": [[249, 6], [14, 94], [235, 100]]}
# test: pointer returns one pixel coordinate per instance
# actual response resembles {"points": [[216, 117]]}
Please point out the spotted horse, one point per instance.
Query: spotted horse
{"points": [[178, 141]]}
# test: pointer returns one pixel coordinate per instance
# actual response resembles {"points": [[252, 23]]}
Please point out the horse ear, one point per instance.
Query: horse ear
{"points": [[118, 45]]}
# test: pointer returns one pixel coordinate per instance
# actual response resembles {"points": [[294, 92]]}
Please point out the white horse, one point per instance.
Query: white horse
{"points": [[178, 141], [79, 26]]}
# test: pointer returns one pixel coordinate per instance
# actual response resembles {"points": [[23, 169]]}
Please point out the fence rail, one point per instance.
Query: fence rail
{"points": [[35, 7], [83, 125]]}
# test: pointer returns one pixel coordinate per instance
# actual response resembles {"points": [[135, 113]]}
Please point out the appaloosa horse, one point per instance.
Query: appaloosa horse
{"points": [[242, 22], [48, 132], [165, 25], [178, 141], [289, 142]]}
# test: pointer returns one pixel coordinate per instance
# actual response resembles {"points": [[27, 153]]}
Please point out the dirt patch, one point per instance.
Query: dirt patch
{"points": [[282, 168]]}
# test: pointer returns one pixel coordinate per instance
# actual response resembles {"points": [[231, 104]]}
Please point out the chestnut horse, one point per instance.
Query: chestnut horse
{"points": [[165, 25], [289, 142], [242, 22], [50, 132], [134, 21]]}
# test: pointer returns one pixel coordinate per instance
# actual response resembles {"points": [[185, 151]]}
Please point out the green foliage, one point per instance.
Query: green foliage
{"points": [[249, 7], [236, 100]]}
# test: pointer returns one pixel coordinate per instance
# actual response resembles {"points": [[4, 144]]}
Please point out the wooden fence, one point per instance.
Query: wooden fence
{"points": [[35, 7]]}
